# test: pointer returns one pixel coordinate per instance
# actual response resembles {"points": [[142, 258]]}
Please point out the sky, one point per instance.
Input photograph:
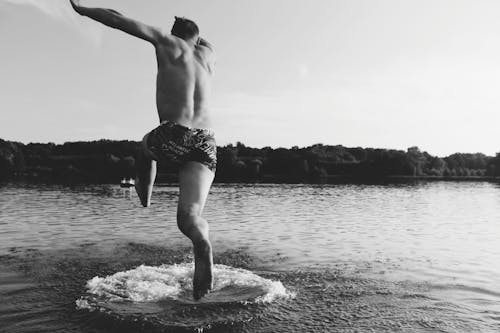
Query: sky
{"points": [[359, 73]]}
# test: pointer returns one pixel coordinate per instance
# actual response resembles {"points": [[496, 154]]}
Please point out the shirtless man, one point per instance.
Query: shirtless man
{"points": [[185, 66]]}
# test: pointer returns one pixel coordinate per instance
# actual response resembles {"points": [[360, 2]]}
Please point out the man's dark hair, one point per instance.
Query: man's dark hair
{"points": [[184, 28]]}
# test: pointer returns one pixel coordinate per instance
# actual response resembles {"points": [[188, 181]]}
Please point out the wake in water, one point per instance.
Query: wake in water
{"points": [[151, 293], [174, 282]]}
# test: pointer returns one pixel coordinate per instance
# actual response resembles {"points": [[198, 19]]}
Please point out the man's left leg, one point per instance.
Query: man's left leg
{"points": [[195, 180], [145, 167]]}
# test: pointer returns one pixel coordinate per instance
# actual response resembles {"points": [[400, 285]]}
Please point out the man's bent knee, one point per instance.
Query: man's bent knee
{"points": [[186, 220], [191, 224]]}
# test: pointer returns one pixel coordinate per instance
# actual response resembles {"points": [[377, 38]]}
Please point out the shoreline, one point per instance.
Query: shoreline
{"points": [[171, 178]]}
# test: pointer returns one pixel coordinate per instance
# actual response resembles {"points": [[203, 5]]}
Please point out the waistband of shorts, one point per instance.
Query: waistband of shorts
{"points": [[207, 131]]}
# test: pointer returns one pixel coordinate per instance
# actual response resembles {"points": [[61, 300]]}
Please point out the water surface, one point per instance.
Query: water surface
{"points": [[414, 257]]}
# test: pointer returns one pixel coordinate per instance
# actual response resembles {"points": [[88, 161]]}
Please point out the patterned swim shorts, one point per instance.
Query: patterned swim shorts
{"points": [[172, 142]]}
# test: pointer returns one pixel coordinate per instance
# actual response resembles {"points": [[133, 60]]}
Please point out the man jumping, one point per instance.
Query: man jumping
{"points": [[185, 67]]}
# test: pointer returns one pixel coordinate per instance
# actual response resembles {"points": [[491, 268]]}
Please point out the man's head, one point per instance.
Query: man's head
{"points": [[184, 28]]}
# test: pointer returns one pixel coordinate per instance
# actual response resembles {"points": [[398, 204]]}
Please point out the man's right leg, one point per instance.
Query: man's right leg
{"points": [[195, 180], [145, 176]]}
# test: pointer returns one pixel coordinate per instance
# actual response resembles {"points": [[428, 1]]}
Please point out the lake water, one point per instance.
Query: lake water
{"points": [[421, 257]]}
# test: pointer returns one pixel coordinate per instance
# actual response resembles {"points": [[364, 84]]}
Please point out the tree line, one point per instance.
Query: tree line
{"points": [[107, 161]]}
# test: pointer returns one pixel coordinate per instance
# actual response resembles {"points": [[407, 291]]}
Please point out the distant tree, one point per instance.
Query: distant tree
{"points": [[493, 168], [358, 153], [436, 166], [281, 161], [476, 161], [318, 174], [447, 172], [226, 160], [416, 160], [11, 159], [127, 166], [255, 169], [335, 154], [240, 169]]}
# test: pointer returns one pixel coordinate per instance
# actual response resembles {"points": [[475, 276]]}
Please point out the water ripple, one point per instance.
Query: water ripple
{"points": [[439, 233]]}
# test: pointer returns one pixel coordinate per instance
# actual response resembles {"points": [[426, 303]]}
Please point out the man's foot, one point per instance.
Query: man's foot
{"points": [[203, 274]]}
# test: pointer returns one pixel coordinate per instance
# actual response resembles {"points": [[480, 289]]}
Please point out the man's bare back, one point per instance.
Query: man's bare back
{"points": [[183, 82], [185, 67]]}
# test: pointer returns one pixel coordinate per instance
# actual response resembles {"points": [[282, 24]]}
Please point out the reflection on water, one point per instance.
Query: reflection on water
{"points": [[363, 256]]}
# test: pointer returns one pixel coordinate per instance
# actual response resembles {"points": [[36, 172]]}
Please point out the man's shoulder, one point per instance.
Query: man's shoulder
{"points": [[205, 49], [205, 52], [172, 47], [168, 40], [205, 46]]}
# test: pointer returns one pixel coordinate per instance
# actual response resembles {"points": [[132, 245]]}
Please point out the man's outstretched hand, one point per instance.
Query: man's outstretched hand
{"points": [[76, 6]]}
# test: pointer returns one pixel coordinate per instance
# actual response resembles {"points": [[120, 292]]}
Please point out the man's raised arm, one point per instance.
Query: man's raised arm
{"points": [[115, 20], [205, 43]]}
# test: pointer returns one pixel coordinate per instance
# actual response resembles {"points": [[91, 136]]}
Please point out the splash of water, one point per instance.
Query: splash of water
{"points": [[61, 11], [152, 284]]}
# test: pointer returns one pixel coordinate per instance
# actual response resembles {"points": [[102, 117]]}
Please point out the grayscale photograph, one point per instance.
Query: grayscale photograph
{"points": [[241, 166]]}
